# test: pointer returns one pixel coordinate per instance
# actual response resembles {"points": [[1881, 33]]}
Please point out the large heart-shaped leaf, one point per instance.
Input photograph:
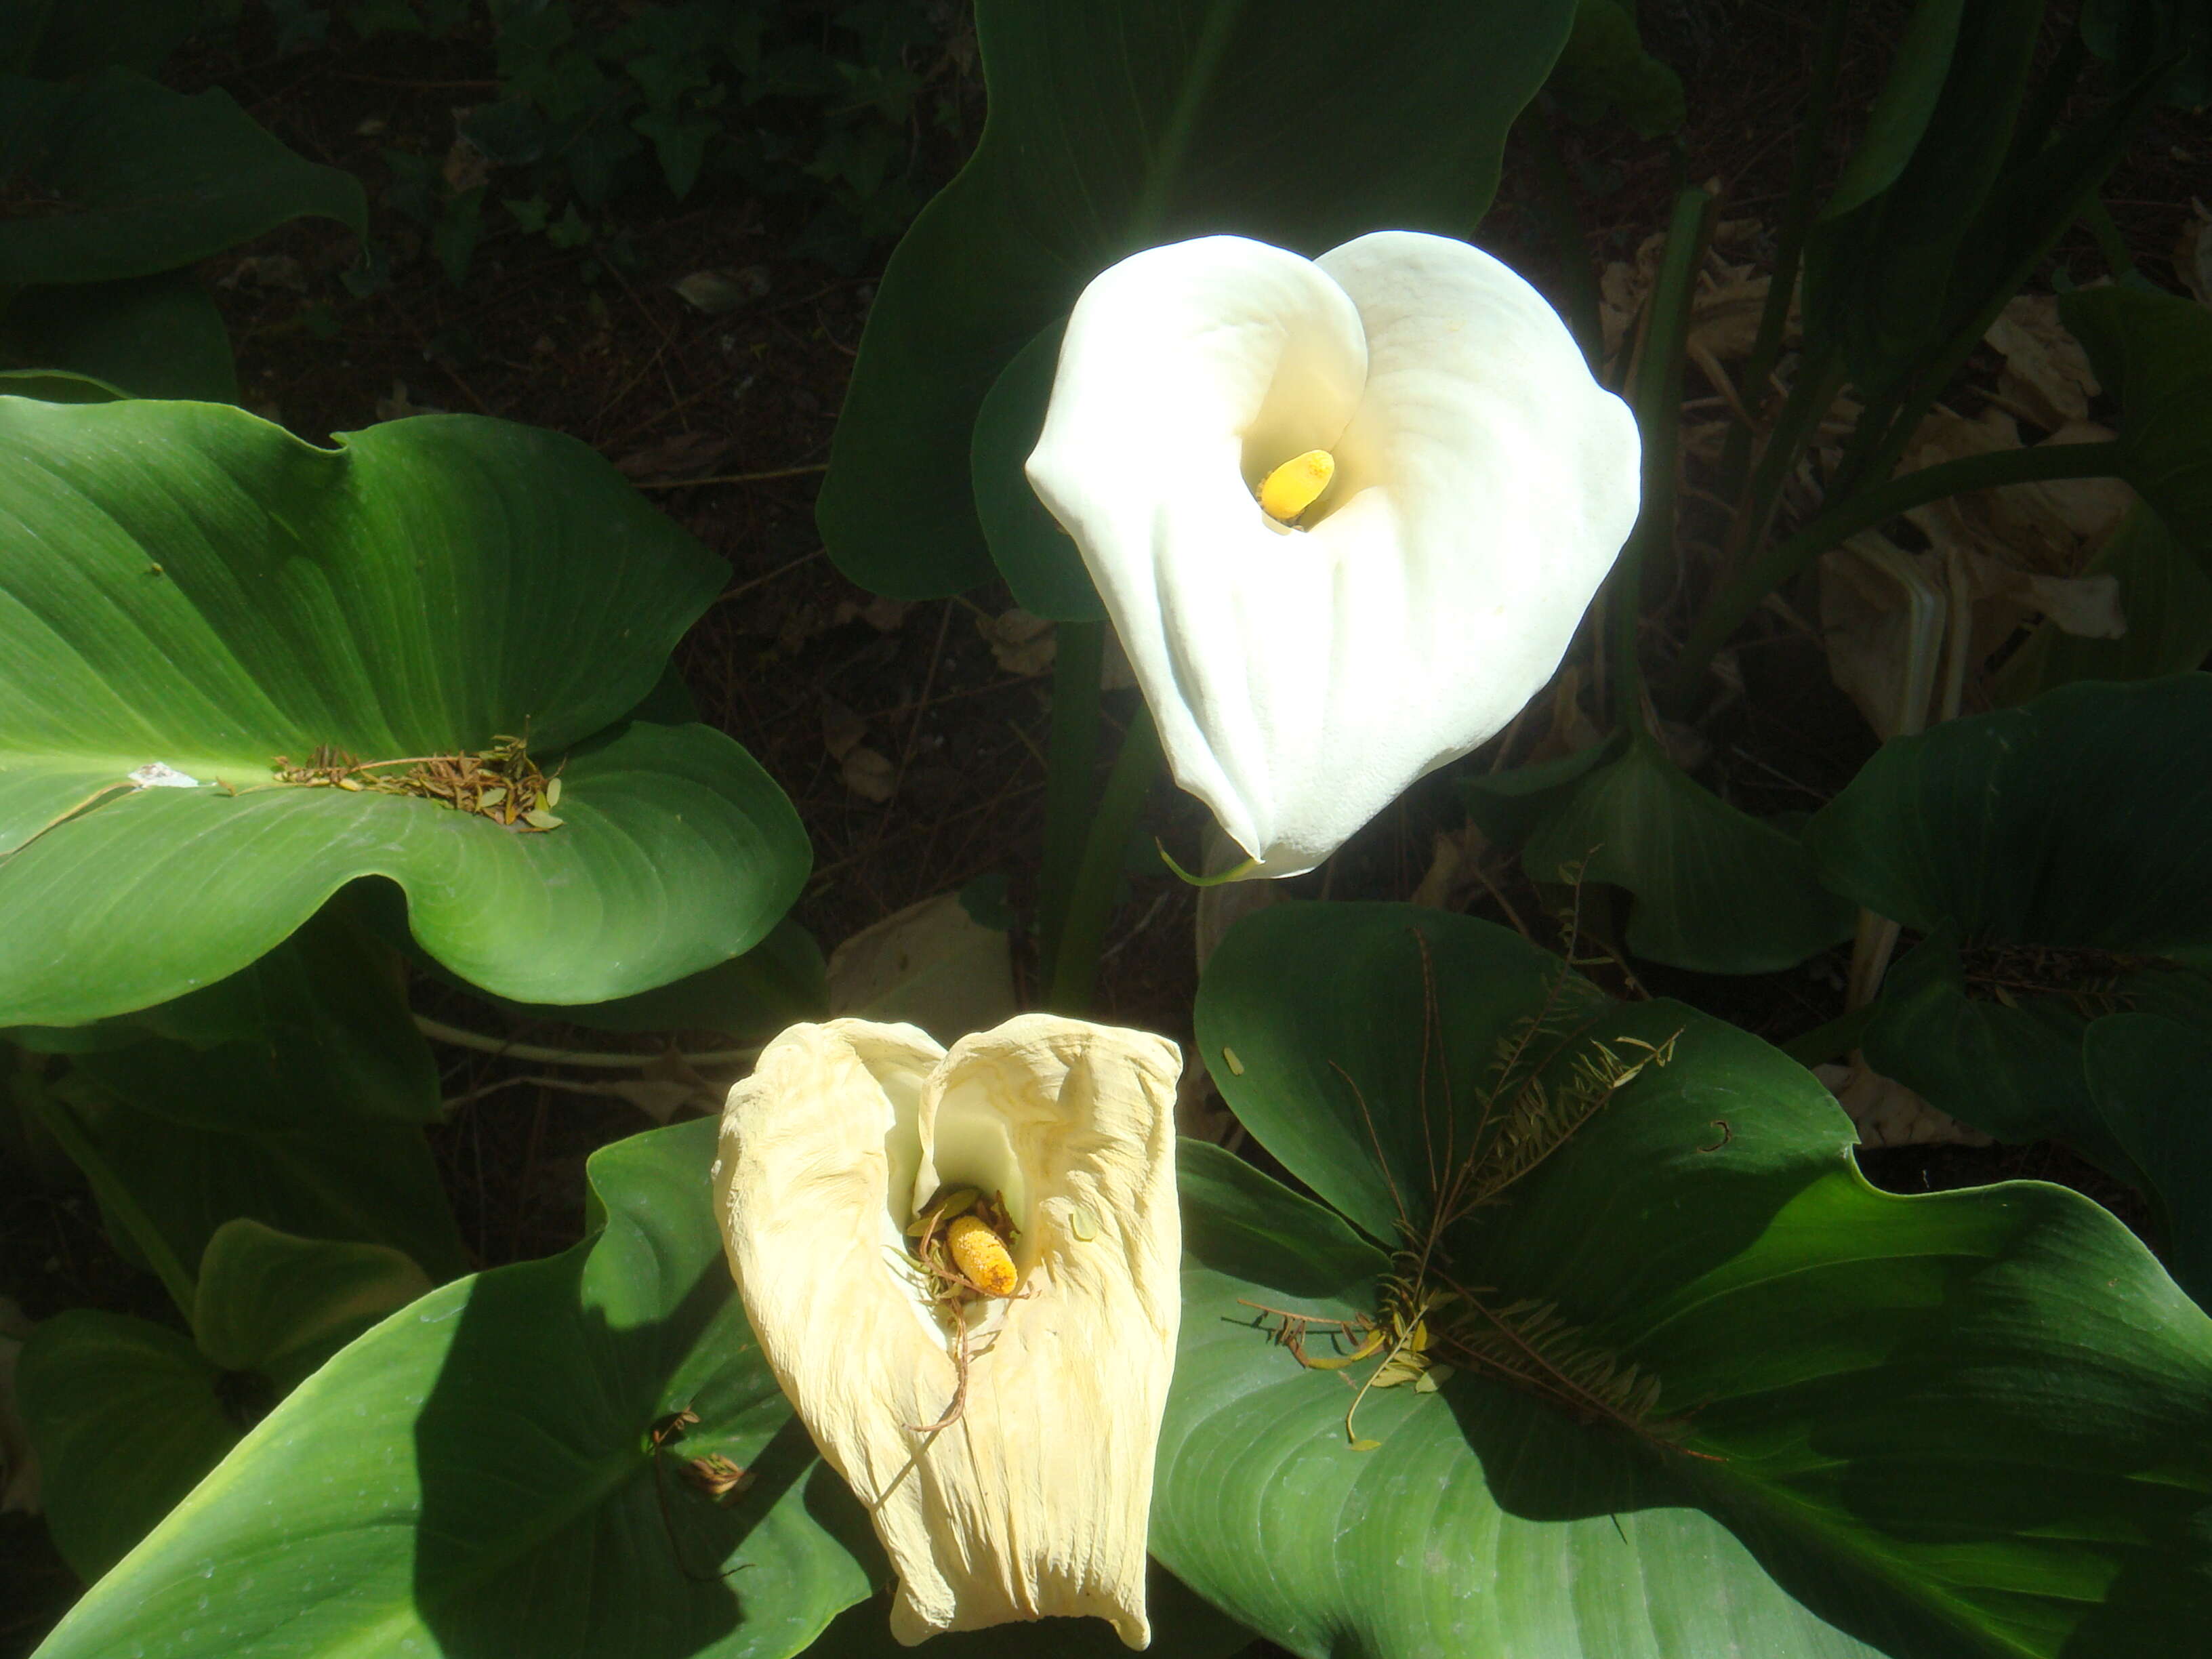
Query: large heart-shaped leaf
{"points": [[780, 981], [145, 179], [2060, 860], [1975, 1423], [479, 1474], [127, 1415], [1993, 1035], [1118, 125], [188, 587], [1715, 889], [2071, 821]]}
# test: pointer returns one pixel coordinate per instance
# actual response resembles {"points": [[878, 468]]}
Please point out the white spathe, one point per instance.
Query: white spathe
{"points": [[1035, 1501], [1301, 678]]}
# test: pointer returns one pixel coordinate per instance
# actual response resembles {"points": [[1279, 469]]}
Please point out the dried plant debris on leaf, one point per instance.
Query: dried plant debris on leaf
{"points": [[1430, 1319], [502, 783]]}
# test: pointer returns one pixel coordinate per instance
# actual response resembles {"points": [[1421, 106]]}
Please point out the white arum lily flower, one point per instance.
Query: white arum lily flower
{"points": [[1003, 1443], [1344, 513]]}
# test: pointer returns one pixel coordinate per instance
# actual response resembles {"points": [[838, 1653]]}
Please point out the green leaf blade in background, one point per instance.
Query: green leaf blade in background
{"points": [[2166, 598], [1114, 127], [2152, 1081], [127, 1415], [1715, 890], [190, 585], [2154, 352], [152, 179], [1971, 1423], [126, 1418], [476, 1474], [156, 337], [2057, 857], [1937, 141], [2074, 821], [1039, 560]]}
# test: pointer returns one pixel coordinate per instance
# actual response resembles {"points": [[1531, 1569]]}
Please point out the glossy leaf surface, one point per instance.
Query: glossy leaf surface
{"points": [[1973, 1423], [187, 585], [477, 1474]]}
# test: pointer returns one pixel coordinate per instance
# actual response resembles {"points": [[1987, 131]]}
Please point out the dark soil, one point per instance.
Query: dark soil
{"points": [[685, 401]]}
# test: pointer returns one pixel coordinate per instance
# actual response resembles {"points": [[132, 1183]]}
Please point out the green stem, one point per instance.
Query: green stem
{"points": [[1563, 218], [1083, 930], [1079, 654], [1659, 419], [1797, 219], [2040, 119], [115, 1198], [1818, 379], [2097, 220], [1869, 507]]}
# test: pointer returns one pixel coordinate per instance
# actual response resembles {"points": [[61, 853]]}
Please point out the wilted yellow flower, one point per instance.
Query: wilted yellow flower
{"points": [[1002, 1444]]}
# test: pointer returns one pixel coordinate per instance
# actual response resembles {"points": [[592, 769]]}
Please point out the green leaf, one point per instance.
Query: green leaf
{"points": [[780, 981], [1715, 889], [158, 336], [57, 386], [292, 1156], [2067, 822], [191, 586], [2154, 352], [146, 179], [2057, 858], [280, 1304], [1995, 1037], [1605, 67], [2152, 1079], [1901, 112], [477, 1474], [326, 1010], [83, 35], [1115, 127], [2135, 34], [1937, 144], [1970, 1423], [2166, 598], [127, 1416], [1039, 560]]}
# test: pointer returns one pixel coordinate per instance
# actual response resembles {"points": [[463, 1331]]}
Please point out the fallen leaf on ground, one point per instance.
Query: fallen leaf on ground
{"points": [[1023, 644], [842, 728], [1887, 619], [870, 775], [2050, 526], [883, 615], [684, 455], [2047, 374], [716, 292], [931, 964], [265, 270], [1888, 1113], [398, 406]]}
